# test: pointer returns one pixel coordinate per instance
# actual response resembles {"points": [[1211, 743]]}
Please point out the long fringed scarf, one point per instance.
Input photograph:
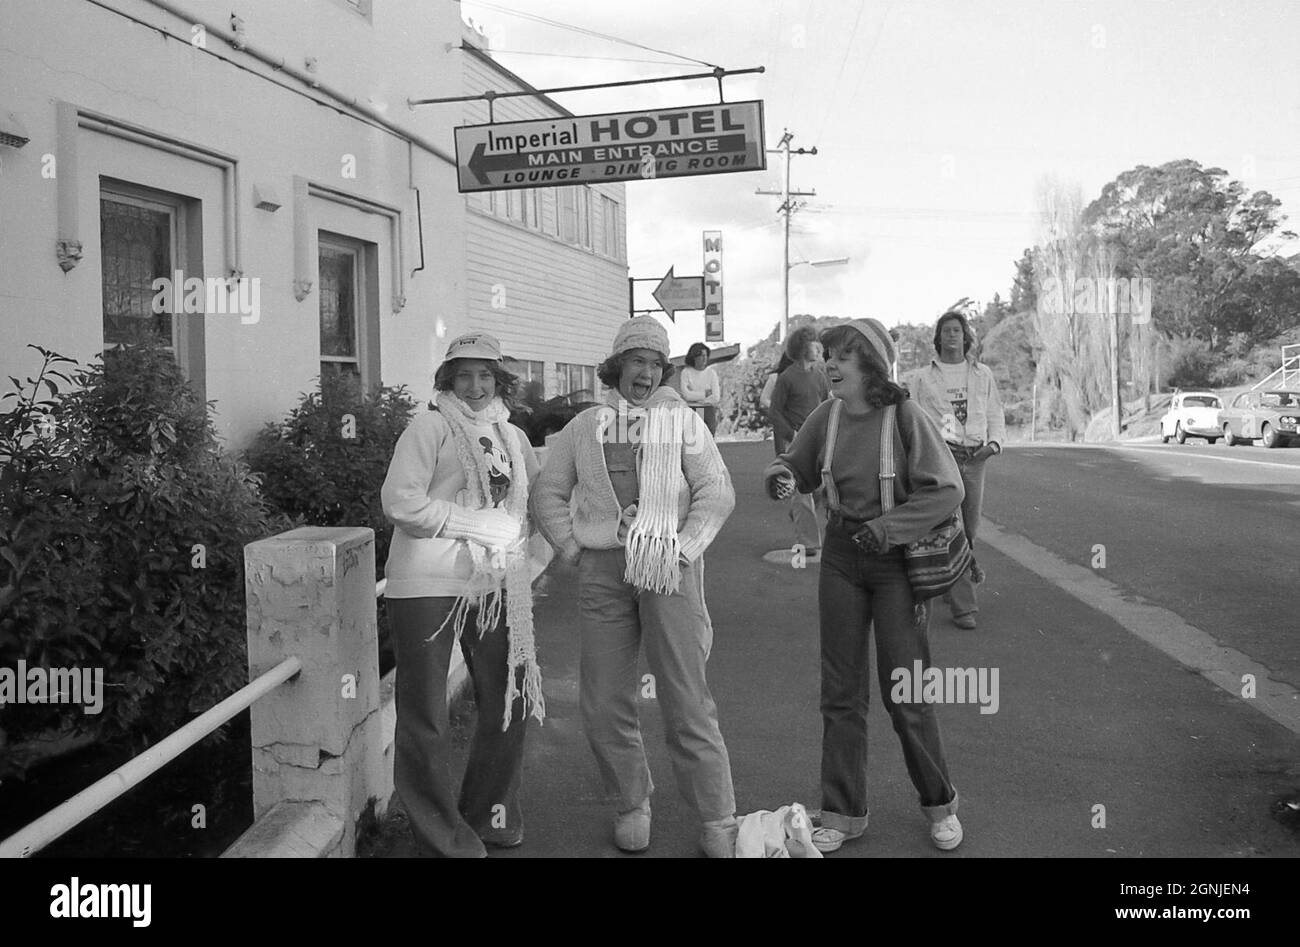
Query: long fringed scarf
{"points": [[493, 570], [653, 547]]}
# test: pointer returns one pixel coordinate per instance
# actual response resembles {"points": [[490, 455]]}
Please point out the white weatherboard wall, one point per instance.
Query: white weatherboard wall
{"points": [[563, 302], [111, 58]]}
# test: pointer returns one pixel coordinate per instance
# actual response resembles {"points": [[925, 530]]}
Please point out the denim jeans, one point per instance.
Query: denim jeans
{"points": [[961, 597], [857, 591], [615, 620], [443, 824]]}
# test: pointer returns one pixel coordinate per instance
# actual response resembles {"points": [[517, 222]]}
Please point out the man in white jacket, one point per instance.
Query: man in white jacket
{"points": [[961, 394]]}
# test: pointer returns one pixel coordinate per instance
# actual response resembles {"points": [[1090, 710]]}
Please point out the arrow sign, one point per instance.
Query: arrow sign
{"points": [[679, 292], [619, 146]]}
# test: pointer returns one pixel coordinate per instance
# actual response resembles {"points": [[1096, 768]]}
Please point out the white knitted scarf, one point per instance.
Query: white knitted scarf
{"points": [[653, 546], [492, 572]]}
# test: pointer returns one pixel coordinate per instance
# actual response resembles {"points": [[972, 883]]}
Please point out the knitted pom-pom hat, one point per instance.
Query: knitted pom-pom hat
{"points": [[641, 332]]}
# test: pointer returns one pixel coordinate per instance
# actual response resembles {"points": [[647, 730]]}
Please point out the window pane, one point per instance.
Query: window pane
{"points": [[584, 216], [568, 215], [338, 335], [136, 247]]}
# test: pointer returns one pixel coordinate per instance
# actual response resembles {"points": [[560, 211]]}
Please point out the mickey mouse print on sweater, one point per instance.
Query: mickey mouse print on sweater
{"points": [[498, 470]]}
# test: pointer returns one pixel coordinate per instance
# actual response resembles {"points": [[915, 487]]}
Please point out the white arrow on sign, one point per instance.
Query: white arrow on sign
{"points": [[679, 292]]}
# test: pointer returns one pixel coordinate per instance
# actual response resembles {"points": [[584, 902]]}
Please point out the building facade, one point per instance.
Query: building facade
{"points": [[546, 268], [250, 181]]}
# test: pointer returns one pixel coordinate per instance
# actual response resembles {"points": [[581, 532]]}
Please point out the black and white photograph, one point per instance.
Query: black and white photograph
{"points": [[563, 429]]}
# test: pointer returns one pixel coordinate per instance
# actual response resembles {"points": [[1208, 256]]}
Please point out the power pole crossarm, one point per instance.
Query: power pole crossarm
{"points": [[786, 209]]}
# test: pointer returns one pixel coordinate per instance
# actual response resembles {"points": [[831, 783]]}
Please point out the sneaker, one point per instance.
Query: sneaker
{"points": [[964, 621], [945, 834], [718, 838], [632, 829], [827, 840]]}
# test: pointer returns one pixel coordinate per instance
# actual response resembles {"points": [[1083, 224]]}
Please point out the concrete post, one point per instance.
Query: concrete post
{"points": [[318, 738]]}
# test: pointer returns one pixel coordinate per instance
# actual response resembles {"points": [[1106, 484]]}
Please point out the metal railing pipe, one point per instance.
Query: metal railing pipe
{"points": [[62, 818]]}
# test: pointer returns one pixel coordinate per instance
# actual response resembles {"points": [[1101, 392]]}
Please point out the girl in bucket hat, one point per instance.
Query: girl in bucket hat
{"points": [[863, 581], [457, 572], [649, 492]]}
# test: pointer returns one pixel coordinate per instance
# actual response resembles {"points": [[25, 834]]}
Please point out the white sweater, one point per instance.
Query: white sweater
{"points": [[695, 383], [425, 480]]}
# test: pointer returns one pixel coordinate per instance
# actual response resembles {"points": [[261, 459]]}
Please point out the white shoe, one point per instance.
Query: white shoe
{"points": [[946, 834]]}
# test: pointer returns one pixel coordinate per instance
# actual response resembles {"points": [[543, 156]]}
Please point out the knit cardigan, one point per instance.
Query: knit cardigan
{"points": [[425, 481], [575, 469]]}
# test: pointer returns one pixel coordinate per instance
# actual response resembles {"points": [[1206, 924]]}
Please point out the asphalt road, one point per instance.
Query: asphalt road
{"points": [[1090, 712]]}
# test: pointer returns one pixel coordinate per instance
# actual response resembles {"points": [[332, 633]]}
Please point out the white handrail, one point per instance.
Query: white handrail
{"points": [[59, 820]]}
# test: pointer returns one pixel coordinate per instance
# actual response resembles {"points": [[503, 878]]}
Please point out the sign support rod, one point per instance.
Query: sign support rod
{"points": [[719, 73]]}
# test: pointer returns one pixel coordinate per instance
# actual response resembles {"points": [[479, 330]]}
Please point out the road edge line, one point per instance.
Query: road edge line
{"points": [[1157, 626]]}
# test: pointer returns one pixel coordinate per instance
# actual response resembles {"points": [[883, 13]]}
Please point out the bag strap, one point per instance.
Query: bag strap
{"points": [[832, 432], [887, 460]]}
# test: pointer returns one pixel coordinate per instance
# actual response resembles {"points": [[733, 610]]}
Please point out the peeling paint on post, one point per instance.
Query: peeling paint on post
{"points": [[311, 593]]}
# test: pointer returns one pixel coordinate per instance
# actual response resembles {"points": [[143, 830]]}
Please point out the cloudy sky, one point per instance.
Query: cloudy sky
{"points": [[934, 120]]}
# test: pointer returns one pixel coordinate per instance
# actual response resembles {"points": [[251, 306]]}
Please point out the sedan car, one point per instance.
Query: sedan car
{"points": [[1270, 417], [1192, 414]]}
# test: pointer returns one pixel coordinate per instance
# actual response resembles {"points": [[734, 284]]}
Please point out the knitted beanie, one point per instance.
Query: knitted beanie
{"points": [[641, 332]]}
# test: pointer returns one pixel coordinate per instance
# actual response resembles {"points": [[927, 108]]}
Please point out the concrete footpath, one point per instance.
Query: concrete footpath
{"points": [[1101, 746]]}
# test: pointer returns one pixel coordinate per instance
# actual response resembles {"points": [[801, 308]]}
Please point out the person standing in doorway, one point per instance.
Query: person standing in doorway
{"points": [[961, 396], [700, 385], [799, 389]]}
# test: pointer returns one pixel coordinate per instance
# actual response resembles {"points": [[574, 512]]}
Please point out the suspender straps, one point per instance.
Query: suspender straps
{"points": [[832, 432]]}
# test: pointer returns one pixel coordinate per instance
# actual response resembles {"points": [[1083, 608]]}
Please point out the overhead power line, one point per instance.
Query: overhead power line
{"points": [[586, 32]]}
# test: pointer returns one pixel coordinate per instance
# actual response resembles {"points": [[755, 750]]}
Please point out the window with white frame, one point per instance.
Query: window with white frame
{"points": [[584, 216], [609, 215], [576, 380], [568, 208], [348, 298], [532, 378], [142, 239]]}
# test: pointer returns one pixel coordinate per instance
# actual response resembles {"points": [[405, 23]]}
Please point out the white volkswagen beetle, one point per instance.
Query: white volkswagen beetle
{"points": [[1192, 414]]}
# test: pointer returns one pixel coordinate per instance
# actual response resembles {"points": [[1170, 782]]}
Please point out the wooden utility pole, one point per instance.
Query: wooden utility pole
{"points": [[787, 208]]}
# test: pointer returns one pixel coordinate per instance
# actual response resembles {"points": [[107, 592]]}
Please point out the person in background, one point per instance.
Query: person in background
{"points": [[863, 584], [700, 385], [458, 573], [961, 396], [632, 493], [765, 396], [799, 389]]}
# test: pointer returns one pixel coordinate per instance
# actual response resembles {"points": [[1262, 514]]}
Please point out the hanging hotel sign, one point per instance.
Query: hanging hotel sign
{"points": [[621, 146]]}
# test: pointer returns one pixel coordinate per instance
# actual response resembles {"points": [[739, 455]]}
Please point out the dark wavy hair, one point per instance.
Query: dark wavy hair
{"points": [[968, 337], [699, 348], [610, 370], [798, 340], [444, 379], [879, 390]]}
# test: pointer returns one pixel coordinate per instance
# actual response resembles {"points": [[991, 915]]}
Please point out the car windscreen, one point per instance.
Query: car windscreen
{"points": [[1280, 399], [1201, 401]]}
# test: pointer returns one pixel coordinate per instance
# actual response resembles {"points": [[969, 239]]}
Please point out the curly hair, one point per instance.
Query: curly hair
{"points": [[507, 383], [878, 389], [699, 348], [611, 370]]}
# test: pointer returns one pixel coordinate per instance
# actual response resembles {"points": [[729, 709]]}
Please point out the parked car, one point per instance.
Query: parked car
{"points": [[1192, 414], [1270, 417]]}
